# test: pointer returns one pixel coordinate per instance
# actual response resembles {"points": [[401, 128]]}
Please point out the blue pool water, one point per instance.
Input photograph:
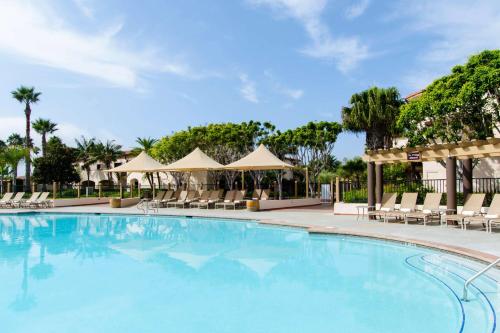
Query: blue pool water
{"points": [[110, 273]]}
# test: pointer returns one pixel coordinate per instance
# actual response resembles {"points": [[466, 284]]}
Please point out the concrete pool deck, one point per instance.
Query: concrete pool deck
{"points": [[474, 242]]}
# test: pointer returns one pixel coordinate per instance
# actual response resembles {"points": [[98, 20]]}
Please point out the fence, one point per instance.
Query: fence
{"points": [[352, 191]]}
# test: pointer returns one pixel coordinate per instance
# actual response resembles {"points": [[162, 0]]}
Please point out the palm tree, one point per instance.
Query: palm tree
{"points": [[373, 111], [86, 153], [13, 155], [15, 139], [4, 165], [108, 153], [146, 144], [44, 127], [27, 96]]}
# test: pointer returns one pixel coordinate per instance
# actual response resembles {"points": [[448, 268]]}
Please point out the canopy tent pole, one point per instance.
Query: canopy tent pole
{"points": [[242, 179]]}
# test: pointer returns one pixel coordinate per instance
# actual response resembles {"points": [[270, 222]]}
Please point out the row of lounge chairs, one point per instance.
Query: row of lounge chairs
{"points": [[471, 212], [36, 200], [206, 199]]}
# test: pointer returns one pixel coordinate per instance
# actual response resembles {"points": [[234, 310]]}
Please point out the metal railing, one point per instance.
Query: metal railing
{"points": [[475, 276]]}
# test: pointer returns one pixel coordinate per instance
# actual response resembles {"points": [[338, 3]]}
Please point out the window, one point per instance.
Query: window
{"points": [[98, 166]]}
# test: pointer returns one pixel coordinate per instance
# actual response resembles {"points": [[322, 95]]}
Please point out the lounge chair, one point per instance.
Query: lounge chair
{"points": [[42, 201], [27, 203], [238, 200], [387, 205], [430, 208], [256, 194], [204, 197], [182, 198], [169, 196], [472, 207], [192, 196], [408, 204], [16, 201], [492, 216], [215, 197], [6, 198], [155, 202], [265, 194], [227, 199]]}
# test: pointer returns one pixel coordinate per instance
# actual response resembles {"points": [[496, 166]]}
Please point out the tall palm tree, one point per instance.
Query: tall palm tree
{"points": [[373, 111], [44, 127], [108, 153], [86, 153], [27, 96]]}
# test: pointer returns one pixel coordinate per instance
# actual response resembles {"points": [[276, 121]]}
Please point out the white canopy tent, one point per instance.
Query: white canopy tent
{"points": [[143, 163], [260, 159]]}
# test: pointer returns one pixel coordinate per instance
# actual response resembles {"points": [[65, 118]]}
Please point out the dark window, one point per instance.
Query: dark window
{"points": [[98, 167]]}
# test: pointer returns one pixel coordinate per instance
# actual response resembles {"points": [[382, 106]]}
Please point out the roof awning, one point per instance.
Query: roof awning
{"points": [[197, 160], [142, 163], [260, 159]]}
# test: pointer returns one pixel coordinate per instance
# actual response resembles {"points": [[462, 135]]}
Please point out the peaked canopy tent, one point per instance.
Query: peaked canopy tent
{"points": [[195, 161], [143, 163], [260, 159]]}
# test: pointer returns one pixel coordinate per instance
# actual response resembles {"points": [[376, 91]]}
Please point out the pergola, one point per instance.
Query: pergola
{"points": [[449, 152]]}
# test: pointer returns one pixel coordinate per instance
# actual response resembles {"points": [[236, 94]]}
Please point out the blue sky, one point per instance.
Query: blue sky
{"points": [[120, 69]]}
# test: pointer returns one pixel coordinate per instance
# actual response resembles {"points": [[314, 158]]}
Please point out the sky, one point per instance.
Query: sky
{"points": [[120, 69]]}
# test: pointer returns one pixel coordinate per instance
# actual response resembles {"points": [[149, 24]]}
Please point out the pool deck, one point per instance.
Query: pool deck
{"points": [[473, 242]]}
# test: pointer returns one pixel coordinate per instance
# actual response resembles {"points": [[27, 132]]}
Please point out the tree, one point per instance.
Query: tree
{"points": [[108, 152], [44, 127], [13, 155], [4, 166], [85, 153], [353, 169], [15, 140], [463, 105], [313, 145], [374, 112], [27, 96], [145, 144], [58, 165]]}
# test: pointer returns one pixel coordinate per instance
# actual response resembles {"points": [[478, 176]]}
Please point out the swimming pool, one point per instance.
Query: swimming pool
{"points": [[112, 273]]}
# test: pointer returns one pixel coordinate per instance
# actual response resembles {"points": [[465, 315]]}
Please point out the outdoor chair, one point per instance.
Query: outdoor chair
{"points": [[182, 198], [27, 203], [169, 196], [430, 208], [492, 216], [42, 201], [204, 197], [227, 199], [6, 198], [238, 200], [16, 201], [265, 194], [408, 204], [256, 194], [472, 207], [387, 205], [155, 202], [190, 197], [214, 198]]}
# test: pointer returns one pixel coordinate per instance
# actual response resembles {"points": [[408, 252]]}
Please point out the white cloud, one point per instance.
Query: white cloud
{"points": [[458, 29], [36, 32], [84, 8], [357, 9], [248, 90], [280, 88], [346, 52]]}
